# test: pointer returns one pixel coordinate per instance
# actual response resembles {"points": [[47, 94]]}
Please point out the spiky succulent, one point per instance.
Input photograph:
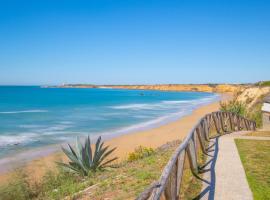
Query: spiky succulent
{"points": [[83, 160]]}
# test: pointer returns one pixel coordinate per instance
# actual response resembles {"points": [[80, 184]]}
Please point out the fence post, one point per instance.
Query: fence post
{"points": [[191, 156], [169, 185], [180, 170], [214, 116]]}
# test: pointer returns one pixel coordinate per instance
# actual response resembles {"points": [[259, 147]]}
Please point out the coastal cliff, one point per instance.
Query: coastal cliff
{"points": [[219, 88]]}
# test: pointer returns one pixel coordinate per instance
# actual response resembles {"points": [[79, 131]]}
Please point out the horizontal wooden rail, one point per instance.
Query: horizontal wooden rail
{"points": [[168, 187]]}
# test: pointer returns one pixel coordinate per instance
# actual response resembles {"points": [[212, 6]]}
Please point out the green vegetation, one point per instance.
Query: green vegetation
{"points": [[255, 156], [84, 161], [260, 134], [54, 185], [126, 180], [263, 83], [253, 113], [234, 107], [139, 153], [18, 188]]}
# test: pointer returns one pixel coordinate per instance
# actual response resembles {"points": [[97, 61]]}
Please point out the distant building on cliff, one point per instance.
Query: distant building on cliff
{"points": [[266, 113]]}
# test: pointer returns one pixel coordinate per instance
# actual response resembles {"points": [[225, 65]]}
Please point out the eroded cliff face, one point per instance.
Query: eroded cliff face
{"points": [[252, 95], [222, 88]]}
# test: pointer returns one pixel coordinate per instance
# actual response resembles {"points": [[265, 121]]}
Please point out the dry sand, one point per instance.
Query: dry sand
{"points": [[127, 143]]}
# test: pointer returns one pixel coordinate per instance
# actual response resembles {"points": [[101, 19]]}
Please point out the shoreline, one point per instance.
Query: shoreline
{"points": [[125, 143]]}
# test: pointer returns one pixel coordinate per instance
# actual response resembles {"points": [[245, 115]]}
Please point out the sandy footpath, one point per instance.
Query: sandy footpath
{"points": [[126, 143]]}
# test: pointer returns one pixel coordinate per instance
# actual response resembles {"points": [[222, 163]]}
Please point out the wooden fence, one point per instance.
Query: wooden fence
{"points": [[168, 187]]}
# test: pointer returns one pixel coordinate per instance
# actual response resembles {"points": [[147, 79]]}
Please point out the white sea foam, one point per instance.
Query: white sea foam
{"points": [[59, 127], [23, 111], [162, 105], [150, 106], [17, 139], [132, 106], [183, 107], [176, 102]]}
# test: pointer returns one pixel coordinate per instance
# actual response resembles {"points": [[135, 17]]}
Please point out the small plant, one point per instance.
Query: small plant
{"points": [[263, 83], [140, 152], [234, 106], [83, 160]]}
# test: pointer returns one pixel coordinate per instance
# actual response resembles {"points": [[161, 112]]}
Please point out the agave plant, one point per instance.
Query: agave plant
{"points": [[83, 160]]}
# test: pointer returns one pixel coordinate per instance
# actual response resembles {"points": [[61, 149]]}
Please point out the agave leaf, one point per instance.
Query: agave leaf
{"points": [[70, 155], [79, 168], [85, 157], [79, 148], [67, 167], [80, 154], [109, 161], [98, 156], [97, 148], [72, 150], [73, 158], [89, 151], [107, 154], [100, 146]]}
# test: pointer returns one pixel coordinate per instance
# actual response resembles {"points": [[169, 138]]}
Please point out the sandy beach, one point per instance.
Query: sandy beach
{"points": [[127, 143]]}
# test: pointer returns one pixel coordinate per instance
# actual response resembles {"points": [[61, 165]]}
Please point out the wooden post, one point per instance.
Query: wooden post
{"points": [[170, 190], [180, 170], [254, 126], [221, 118], [246, 124], [231, 122], [191, 157], [215, 122], [146, 194], [206, 129], [238, 123]]}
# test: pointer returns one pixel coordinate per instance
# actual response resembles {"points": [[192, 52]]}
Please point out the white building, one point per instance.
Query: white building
{"points": [[266, 113]]}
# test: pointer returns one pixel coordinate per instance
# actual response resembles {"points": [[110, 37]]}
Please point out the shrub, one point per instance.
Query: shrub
{"points": [[263, 83], [84, 161], [140, 152], [234, 106], [253, 113]]}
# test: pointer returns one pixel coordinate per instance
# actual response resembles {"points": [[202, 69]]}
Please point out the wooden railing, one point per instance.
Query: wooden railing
{"points": [[168, 187]]}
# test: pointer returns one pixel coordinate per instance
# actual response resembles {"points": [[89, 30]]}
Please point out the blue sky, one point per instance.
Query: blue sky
{"points": [[134, 42]]}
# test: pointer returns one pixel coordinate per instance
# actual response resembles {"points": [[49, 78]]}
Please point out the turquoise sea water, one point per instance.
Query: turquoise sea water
{"points": [[35, 117]]}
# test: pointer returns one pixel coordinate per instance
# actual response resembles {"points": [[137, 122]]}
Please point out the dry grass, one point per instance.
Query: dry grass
{"points": [[259, 134]]}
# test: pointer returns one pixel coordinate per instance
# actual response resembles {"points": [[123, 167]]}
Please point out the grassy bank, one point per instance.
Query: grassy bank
{"points": [[255, 156], [125, 180], [259, 134]]}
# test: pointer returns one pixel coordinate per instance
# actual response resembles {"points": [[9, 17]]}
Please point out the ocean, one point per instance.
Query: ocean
{"points": [[32, 117]]}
